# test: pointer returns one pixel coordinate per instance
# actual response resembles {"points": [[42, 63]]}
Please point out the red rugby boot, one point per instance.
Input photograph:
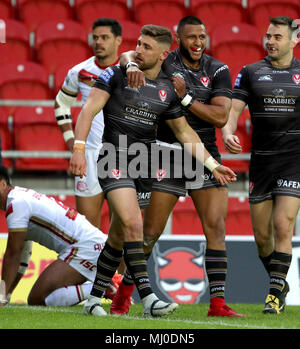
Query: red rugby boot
{"points": [[122, 300], [219, 308]]}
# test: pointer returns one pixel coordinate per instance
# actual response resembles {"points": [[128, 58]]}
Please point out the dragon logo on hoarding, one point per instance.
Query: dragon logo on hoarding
{"points": [[180, 273]]}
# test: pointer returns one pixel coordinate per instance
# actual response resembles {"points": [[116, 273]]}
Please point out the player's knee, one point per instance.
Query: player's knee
{"points": [[34, 299], [133, 229], [215, 229]]}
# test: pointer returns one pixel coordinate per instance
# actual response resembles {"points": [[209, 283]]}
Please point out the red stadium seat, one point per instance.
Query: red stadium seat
{"points": [[35, 129], [16, 48], [130, 33], [27, 80], [58, 42], [88, 11], [238, 220], [156, 11], [6, 137], [6, 9], [60, 74], [212, 13], [33, 12], [261, 10], [237, 45], [185, 219]]}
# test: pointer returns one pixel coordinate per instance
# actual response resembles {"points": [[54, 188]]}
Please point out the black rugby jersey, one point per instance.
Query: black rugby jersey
{"points": [[211, 79], [136, 113], [273, 97]]}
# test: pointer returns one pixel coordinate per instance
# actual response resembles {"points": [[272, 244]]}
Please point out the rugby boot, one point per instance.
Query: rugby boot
{"points": [[219, 308], [271, 305]]}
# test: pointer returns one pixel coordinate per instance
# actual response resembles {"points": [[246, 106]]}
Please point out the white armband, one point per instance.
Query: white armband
{"points": [[210, 163], [68, 135], [25, 257]]}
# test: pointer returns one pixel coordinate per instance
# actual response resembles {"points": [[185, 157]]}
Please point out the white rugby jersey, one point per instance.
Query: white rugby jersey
{"points": [[47, 221], [81, 78]]}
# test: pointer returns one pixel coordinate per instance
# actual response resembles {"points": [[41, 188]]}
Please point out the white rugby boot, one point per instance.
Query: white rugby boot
{"points": [[154, 307], [93, 307]]}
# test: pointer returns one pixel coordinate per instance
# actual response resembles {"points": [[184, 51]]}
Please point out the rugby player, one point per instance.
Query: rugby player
{"points": [[124, 115], [271, 89]]}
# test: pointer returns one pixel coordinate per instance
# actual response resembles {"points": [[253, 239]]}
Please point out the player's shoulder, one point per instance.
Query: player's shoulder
{"points": [[90, 62], [263, 64], [213, 65]]}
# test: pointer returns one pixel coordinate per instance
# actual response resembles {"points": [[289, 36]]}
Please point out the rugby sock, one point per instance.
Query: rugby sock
{"points": [[69, 295], [216, 270], [279, 267], [137, 266], [127, 279], [266, 261], [107, 264]]}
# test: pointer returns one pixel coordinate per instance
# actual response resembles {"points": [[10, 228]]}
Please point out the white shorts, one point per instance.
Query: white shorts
{"points": [[89, 185], [83, 256]]}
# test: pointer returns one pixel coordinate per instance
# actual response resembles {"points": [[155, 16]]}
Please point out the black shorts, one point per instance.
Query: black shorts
{"points": [[181, 179], [273, 175], [120, 172]]}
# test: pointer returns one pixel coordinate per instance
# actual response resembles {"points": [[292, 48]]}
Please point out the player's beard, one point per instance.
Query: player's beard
{"points": [[185, 53]]}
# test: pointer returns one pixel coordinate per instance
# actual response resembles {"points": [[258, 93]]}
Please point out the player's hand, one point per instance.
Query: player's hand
{"points": [[232, 144], [224, 175], [135, 77], [179, 85], [78, 164]]}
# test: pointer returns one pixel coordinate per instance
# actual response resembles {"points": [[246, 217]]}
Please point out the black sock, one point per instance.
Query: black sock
{"points": [[266, 262], [127, 278], [216, 270], [279, 267], [107, 264], [137, 266]]}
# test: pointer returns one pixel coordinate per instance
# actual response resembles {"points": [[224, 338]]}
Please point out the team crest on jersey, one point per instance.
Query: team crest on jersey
{"points": [[162, 95], [296, 78], [116, 173], [160, 174], [205, 80]]}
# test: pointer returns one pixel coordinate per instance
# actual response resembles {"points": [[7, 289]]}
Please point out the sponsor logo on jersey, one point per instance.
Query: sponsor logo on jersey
{"points": [[288, 184], [205, 81], [265, 78], [238, 80], [296, 79], [160, 174], [116, 173], [82, 186], [106, 75], [162, 95]]}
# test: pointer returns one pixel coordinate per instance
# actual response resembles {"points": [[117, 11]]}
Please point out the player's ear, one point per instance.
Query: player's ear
{"points": [[164, 54], [119, 40]]}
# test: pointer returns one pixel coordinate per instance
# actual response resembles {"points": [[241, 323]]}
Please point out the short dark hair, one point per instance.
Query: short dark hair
{"points": [[115, 26], [188, 20], [285, 20], [160, 34], [4, 174]]}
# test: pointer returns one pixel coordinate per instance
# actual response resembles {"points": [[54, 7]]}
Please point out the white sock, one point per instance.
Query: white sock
{"points": [[70, 295]]}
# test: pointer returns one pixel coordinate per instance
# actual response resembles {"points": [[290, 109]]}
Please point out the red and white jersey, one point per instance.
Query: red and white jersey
{"points": [[48, 222], [81, 78]]}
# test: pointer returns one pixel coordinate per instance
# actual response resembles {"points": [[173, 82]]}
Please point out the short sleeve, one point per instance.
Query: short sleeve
{"points": [[241, 86]]}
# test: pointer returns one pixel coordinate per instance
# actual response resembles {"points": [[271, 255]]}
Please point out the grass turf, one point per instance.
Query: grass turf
{"points": [[185, 317]]}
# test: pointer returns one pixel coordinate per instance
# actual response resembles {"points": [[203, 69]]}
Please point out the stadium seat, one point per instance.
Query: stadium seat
{"points": [[6, 9], [261, 10], [35, 129], [130, 33], [60, 74], [237, 45], [28, 80], [238, 220], [16, 47], [87, 11], [58, 42], [6, 138], [34, 12], [185, 219], [212, 11], [156, 11]]}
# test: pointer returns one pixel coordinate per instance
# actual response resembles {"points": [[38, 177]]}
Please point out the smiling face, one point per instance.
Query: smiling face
{"points": [[279, 43], [192, 42]]}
